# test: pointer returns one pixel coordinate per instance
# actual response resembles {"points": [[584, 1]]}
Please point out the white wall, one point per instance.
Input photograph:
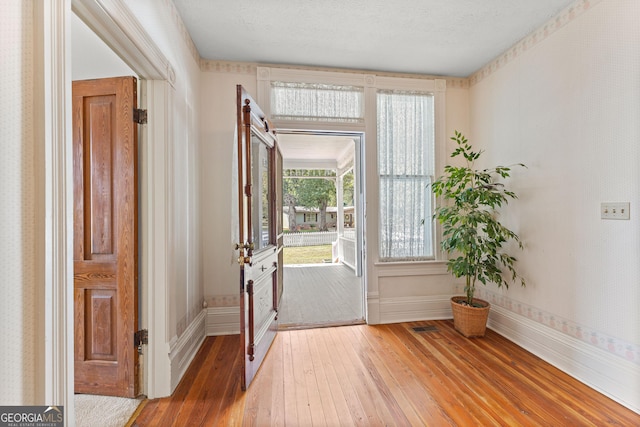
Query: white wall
{"points": [[91, 58], [18, 288], [183, 269], [566, 102], [218, 121]]}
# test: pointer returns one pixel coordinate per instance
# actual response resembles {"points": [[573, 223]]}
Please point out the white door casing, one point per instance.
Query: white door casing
{"points": [[113, 22]]}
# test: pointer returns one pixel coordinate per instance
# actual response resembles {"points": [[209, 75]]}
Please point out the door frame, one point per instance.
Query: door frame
{"points": [[112, 21], [360, 217]]}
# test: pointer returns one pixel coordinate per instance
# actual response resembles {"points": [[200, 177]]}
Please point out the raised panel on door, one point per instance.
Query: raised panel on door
{"points": [[261, 312], [105, 236]]}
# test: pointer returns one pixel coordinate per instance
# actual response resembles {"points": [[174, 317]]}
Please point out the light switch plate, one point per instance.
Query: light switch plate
{"points": [[614, 210]]}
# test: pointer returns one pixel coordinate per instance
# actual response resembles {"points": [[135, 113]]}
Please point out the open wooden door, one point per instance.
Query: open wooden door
{"points": [[105, 244], [260, 222]]}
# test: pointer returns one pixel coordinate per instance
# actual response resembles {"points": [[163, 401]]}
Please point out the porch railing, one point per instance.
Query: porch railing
{"points": [[310, 239]]}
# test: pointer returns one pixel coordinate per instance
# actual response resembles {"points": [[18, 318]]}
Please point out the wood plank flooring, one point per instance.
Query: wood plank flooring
{"points": [[385, 375], [316, 295]]}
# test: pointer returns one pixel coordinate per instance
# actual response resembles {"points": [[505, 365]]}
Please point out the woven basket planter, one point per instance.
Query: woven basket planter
{"points": [[470, 321]]}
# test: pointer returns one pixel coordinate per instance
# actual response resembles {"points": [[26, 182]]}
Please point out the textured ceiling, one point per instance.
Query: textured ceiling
{"points": [[315, 151], [435, 37]]}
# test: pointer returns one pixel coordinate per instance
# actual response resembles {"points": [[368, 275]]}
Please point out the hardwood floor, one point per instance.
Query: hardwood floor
{"points": [[327, 294], [385, 375]]}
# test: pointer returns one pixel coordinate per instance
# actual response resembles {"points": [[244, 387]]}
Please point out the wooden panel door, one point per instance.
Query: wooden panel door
{"points": [[260, 254], [105, 236]]}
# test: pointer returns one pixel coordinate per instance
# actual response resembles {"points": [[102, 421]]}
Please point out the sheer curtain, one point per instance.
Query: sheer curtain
{"points": [[406, 168], [317, 102]]}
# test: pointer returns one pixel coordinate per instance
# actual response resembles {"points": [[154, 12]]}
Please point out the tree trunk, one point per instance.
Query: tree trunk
{"points": [[323, 216], [293, 226]]}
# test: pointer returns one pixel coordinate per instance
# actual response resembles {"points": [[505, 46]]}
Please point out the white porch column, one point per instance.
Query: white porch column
{"points": [[339, 215], [340, 203]]}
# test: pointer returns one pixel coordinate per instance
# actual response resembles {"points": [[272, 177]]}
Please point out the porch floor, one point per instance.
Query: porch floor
{"points": [[320, 295]]}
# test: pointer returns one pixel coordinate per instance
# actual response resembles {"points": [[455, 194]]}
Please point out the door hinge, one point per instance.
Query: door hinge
{"points": [[140, 116], [139, 338]]}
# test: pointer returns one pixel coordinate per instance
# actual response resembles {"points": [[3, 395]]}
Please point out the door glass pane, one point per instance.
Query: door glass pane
{"points": [[261, 173]]}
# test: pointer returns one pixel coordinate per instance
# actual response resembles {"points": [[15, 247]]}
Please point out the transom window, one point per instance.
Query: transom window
{"points": [[315, 101]]}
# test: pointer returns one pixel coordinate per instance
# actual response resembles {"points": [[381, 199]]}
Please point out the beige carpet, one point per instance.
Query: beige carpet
{"points": [[104, 411]]}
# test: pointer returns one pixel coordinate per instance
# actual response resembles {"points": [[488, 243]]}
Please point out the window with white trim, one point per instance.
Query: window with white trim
{"points": [[405, 130], [317, 102]]}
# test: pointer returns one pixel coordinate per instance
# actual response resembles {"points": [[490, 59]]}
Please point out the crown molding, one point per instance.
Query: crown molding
{"points": [[568, 15], [123, 33], [186, 37], [215, 66]]}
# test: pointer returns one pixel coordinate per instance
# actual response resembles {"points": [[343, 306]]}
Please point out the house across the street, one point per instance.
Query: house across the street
{"points": [[309, 218]]}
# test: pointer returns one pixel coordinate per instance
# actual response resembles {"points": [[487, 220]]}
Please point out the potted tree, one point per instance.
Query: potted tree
{"points": [[473, 237]]}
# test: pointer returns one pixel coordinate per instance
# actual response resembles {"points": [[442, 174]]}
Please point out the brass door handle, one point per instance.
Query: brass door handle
{"points": [[239, 246]]}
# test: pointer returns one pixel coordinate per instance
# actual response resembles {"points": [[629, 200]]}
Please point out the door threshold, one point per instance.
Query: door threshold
{"points": [[297, 326]]}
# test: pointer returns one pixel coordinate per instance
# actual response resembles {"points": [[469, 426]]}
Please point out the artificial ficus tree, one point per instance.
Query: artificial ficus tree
{"points": [[471, 233]]}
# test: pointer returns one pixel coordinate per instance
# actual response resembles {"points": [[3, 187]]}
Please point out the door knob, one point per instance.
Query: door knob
{"points": [[239, 246]]}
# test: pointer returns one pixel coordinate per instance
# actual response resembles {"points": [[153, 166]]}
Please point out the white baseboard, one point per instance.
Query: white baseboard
{"points": [[410, 309], [373, 308], [223, 321], [611, 375], [184, 349]]}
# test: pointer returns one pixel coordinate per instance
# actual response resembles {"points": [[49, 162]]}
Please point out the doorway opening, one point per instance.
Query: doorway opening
{"points": [[103, 318], [323, 216]]}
